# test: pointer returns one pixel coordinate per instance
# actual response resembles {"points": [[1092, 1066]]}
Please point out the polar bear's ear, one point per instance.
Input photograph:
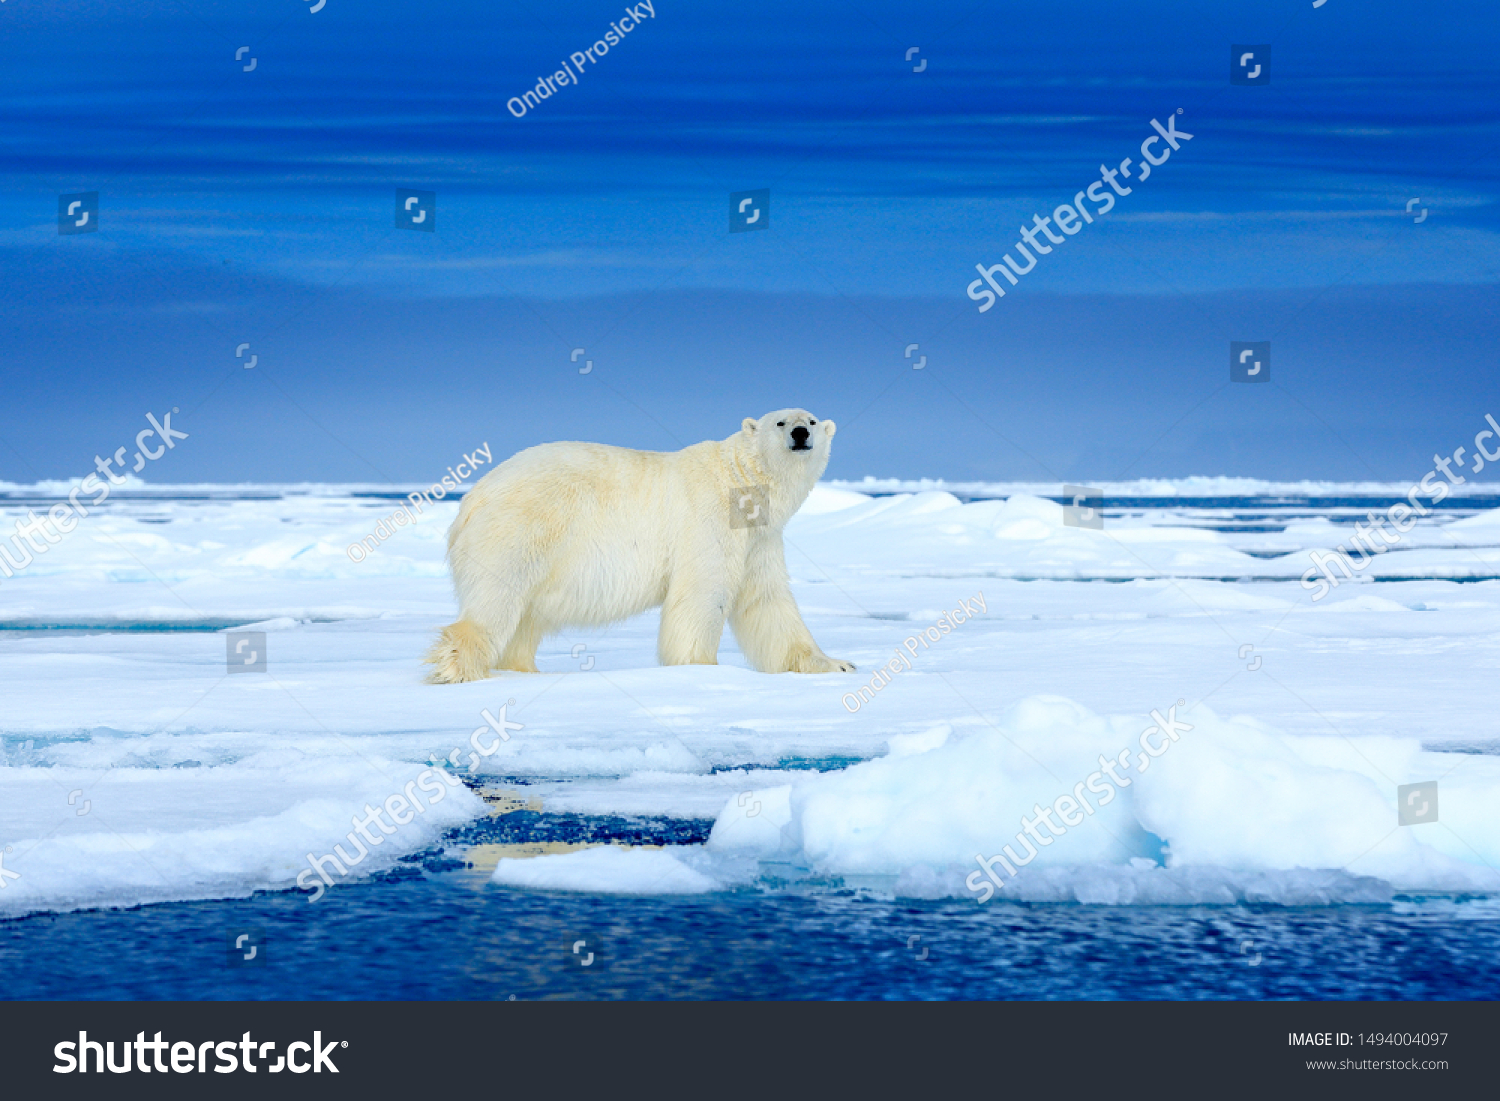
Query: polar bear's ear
{"points": [[829, 427], [749, 424]]}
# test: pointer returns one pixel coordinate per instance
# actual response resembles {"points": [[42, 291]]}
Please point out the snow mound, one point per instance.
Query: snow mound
{"points": [[825, 498]]}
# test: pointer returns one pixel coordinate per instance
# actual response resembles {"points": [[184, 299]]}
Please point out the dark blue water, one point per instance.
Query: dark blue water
{"points": [[453, 936]]}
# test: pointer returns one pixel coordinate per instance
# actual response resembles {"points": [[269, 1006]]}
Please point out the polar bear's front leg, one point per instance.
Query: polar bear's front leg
{"points": [[767, 624]]}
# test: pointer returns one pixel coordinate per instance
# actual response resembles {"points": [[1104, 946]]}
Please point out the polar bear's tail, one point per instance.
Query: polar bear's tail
{"points": [[462, 653]]}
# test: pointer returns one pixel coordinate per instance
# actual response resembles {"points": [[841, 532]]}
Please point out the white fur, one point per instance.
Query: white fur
{"points": [[569, 535]]}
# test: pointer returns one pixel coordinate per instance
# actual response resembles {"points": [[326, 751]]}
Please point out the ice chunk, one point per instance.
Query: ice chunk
{"points": [[1232, 798], [606, 869]]}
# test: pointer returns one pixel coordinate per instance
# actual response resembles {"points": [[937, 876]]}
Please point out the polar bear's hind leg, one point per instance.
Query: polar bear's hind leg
{"points": [[519, 654], [493, 578], [484, 636], [692, 625], [463, 652]]}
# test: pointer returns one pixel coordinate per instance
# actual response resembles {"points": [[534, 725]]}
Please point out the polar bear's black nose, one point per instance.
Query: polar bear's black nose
{"points": [[799, 438]]}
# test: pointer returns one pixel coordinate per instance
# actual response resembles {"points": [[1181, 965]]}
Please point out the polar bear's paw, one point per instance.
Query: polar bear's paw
{"points": [[837, 666], [461, 653], [820, 663]]}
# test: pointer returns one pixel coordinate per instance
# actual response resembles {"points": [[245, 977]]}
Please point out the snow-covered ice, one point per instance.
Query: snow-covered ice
{"points": [[137, 768]]}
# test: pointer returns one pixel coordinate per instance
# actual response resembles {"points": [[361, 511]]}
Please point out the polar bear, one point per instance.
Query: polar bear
{"points": [[569, 535]]}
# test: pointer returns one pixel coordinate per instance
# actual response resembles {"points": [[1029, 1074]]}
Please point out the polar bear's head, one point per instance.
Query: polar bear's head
{"points": [[790, 436], [783, 454], [791, 447]]}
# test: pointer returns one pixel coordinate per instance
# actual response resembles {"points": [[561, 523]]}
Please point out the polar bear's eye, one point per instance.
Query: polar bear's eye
{"points": [[814, 420], [781, 424]]}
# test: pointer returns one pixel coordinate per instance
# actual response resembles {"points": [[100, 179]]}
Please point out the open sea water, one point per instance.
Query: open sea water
{"points": [[454, 936]]}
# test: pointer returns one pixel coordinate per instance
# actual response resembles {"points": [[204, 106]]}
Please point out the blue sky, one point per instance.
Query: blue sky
{"points": [[258, 207]]}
